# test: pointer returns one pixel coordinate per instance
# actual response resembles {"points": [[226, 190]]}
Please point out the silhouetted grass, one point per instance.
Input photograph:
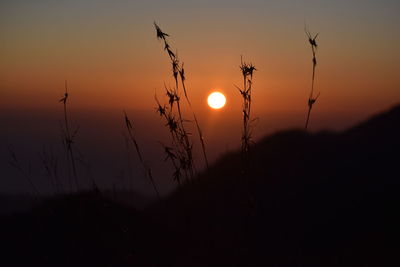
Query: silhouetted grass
{"points": [[146, 169], [174, 152], [311, 99], [50, 164], [26, 173], [170, 155], [182, 146], [68, 141], [246, 92]]}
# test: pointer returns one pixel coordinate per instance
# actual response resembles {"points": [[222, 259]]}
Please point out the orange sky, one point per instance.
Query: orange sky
{"points": [[109, 53]]}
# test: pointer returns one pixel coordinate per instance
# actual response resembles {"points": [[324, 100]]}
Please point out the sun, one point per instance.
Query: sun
{"points": [[216, 100]]}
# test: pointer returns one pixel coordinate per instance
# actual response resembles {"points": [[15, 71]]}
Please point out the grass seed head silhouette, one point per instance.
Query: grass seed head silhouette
{"points": [[180, 137], [68, 140], [182, 75], [169, 152], [172, 123], [160, 33], [161, 110], [311, 99], [312, 40], [175, 60], [247, 70], [64, 99], [171, 155], [172, 96]]}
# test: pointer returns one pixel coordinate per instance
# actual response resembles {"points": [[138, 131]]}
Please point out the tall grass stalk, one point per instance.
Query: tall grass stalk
{"points": [[129, 160], [178, 73], [174, 152], [26, 173], [170, 155], [50, 164], [181, 146], [247, 70], [175, 122], [146, 169], [311, 99], [68, 140]]}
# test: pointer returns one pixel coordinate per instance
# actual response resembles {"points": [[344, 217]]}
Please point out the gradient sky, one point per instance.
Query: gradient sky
{"points": [[108, 52]]}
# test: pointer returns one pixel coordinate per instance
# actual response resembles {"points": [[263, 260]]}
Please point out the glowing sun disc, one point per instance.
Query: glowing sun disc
{"points": [[216, 100]]}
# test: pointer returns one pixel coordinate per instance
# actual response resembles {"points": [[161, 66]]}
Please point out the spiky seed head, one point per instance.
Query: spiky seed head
{"points": [[247, 69], [311, 102], [161, 110], [172, 97], [64, 99], [171, 123], [170, 53], [160, 33], [175, 67]]}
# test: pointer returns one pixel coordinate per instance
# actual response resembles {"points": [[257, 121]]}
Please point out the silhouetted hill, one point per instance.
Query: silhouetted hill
{"points": [[17, 203], [308, 199], [324, 199], [85, 229]]}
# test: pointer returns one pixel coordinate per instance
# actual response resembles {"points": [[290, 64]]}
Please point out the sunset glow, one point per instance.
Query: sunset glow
{"points": [[216, 100], [113, 61]]}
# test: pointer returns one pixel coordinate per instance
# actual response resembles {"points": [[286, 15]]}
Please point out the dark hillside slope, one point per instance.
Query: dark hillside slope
{"points": [[325, 199], [309, 199], [85, 229]]}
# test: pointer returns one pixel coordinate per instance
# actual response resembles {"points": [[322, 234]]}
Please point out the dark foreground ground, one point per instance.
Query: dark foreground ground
{"points": [[326, 199]]}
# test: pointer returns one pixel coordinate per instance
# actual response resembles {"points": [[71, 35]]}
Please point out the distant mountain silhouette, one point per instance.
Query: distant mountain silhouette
{"points": [[324, 199], [309, 199]]}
